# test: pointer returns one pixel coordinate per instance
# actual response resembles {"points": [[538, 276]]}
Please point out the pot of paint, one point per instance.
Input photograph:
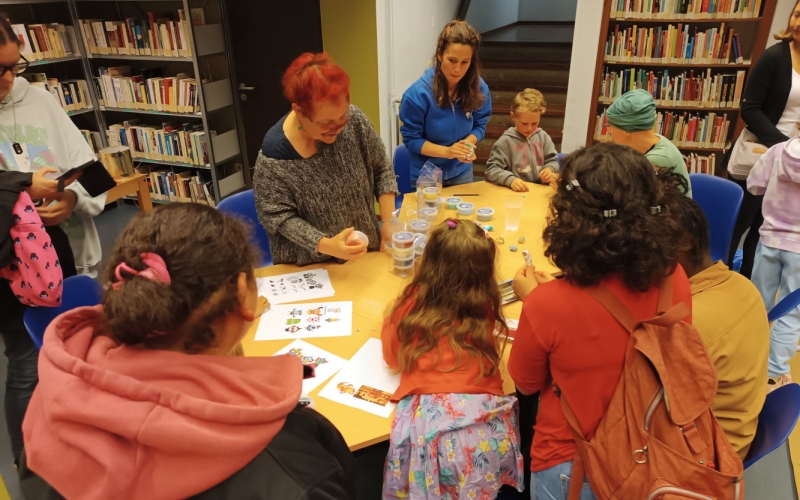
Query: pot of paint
{"points": [[485, 214], [430, 193], [402, 239], [419, 226], [429, 214], [465, 209], [452, 203], [403, 253], [355, 238]]}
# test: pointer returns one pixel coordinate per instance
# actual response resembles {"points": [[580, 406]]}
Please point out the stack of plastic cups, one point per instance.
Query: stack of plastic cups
{"points": [[429, 214], [419, 226], [403, 253], [420, 240]]}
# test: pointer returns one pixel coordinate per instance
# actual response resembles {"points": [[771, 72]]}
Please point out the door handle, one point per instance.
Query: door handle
{"points": [[242, 86]]}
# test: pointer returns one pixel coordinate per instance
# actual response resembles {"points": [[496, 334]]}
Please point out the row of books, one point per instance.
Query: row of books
{"points": [[686, 89], [182, 143], [681, 44], [166, 185], [685, 9], [117, 88], [44, 41], [693, 130], [93, 139], [700, 164], [159, 35], [73, 95]]}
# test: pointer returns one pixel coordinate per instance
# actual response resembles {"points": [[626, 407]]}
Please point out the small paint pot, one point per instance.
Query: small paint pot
{"points": [[419, 226], [485, 214], [452, 203], [403, 253], [429, 214], [430, 193], [466, 209], [355, 238]]}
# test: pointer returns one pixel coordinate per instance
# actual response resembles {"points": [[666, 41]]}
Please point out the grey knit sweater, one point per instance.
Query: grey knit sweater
{"points": [[301, 201]]}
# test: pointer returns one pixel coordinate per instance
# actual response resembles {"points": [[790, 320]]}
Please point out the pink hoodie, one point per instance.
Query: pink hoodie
{"points": [[113, 422], [776, 175]]}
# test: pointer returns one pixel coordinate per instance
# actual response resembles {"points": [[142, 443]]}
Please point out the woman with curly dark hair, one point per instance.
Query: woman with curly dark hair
{"points": [[613, 225]]}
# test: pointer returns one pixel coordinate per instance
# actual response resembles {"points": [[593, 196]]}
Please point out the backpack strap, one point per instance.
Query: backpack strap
{"points": [[665, 294], [578, 472], [613, 305]]}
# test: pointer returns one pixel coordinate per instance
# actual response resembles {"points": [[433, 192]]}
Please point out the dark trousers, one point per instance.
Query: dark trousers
{"points": [[22, 374], [749, 218]]}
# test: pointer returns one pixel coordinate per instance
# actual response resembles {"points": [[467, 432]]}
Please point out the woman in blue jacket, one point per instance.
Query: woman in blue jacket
{"points": [[448, 107]]}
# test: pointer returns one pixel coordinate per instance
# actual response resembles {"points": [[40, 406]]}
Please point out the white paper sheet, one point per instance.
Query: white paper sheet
{"points": [[302, 321], [326, 363], [365, 382], [302, 285]]}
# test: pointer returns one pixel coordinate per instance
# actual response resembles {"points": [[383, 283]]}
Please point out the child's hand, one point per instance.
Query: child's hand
{"points": [[337, 246], [543, 277], [519, 186], [525, 281], [547, 176]]}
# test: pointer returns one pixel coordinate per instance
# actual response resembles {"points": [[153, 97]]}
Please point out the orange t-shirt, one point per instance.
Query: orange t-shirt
{"points": [[426, 378]]}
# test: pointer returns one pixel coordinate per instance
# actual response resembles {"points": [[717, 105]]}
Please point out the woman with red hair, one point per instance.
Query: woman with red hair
{"points": [[320, 169]]}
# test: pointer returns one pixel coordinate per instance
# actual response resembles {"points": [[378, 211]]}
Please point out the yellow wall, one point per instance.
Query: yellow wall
{"points": [[349, 35]]}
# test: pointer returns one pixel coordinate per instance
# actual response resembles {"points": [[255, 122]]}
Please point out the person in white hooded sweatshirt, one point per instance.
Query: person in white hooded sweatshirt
{"points": [[35, 134]]}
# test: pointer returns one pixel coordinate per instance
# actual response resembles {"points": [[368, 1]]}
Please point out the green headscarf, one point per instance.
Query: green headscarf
{"points": [[633, 111]]}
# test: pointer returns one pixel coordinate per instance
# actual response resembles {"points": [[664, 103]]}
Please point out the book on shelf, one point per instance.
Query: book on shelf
{"points": [[44, 41], [181, 143], [93, 139], [72, 95], [166, 185], [686, 9], [673, 44], [686, 89], [700, 164], [116, 87], [684, 129], [198, 17], [161, 34]]}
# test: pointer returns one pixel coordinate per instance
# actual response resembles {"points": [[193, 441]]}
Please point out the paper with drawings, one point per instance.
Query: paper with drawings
{"points": [[365, 382], [325, 363], [302, 285], [301, 321]]}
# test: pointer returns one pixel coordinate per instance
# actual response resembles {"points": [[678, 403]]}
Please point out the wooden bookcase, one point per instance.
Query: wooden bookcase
{"points": [[209, 63], [753, 35]]}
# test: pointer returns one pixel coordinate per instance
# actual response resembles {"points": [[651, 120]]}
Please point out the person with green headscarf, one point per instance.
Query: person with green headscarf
{"points": [[631, 120]]}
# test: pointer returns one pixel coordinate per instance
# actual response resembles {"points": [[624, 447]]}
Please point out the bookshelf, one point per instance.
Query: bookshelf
{"points": [[173, 74], [694, 56]]}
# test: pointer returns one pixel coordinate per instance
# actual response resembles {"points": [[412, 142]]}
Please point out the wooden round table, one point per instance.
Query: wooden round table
{"points": [[368, 283]]}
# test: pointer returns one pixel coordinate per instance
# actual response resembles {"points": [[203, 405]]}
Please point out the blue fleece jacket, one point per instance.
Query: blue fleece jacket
{"points": [[423, 120]]}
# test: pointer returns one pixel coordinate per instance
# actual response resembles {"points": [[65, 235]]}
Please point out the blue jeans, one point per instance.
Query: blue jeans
{"points": [[553, 484], [464, 178], [776, 270]]}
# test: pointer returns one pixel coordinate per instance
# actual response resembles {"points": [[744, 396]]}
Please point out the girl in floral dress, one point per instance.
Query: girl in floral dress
{"points": [[455, 433]]}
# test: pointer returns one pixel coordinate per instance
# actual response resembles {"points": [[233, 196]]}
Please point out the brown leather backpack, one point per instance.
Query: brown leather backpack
{"points": [[658, 439]]}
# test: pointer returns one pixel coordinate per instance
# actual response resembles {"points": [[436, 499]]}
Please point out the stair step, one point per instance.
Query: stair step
{"points": [[526, 76], [506, 97], [524, 64], [504, 108], [495, 132], [560, 52]]}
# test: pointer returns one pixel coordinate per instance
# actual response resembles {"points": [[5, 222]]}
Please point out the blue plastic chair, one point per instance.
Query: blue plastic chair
{"points": [[79, 291], [243, 205], [402, 172], [721, 200], [775, 422], [560, 159], [785, 306], [737, 260]]}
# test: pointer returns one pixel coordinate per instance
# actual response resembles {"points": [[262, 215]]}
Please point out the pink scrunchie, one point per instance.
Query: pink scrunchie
{"points": [[156, 270]]}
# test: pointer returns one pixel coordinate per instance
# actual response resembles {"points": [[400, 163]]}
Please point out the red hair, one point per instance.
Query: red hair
{"points": [[315, 78]]}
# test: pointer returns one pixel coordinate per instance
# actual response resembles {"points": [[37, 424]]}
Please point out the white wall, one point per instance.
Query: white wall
{"points": [[407, 33], [486, 15], [547, 10], [782, 12], [582, 65]]}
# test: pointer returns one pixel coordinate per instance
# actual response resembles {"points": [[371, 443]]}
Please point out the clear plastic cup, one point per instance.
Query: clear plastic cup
{"points": [[513, 211]]}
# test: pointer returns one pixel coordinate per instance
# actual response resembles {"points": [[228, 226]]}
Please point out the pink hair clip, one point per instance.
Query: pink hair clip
{"points": [[156, 270], [452, 223]]}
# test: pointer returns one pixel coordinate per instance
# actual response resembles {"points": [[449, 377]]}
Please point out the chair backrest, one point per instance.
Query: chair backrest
{"points": [[402, 169], [721, 200], [79, 291], [243, 205], [560, 158], [785, 306], [775, 422]]}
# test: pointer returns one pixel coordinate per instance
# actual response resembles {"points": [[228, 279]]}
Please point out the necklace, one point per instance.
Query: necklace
{"points": [[16, 145]]}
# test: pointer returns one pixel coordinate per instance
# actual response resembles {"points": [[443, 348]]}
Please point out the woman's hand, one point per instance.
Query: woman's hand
{"points": [[525, 281], [43, 187], [519, 185], [337, 246], [56, 213], [460, 151]]}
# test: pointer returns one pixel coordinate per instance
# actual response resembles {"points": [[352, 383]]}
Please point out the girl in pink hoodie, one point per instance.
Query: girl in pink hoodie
{"points": [[137, 398], [776, 175]]}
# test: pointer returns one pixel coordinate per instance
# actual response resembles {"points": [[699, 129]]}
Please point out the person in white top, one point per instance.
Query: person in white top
{"points": [[36, 136]]}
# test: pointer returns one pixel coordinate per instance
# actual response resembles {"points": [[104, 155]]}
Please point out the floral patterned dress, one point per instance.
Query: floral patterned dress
{"points": [[453, 446]]}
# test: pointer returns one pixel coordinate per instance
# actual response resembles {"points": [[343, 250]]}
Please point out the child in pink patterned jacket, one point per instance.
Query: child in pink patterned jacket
{"points": [[776, 175]]}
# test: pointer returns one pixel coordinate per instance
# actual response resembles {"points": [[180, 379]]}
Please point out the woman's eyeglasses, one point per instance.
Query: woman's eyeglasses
{"points": [[16, 69], [335, 126]]}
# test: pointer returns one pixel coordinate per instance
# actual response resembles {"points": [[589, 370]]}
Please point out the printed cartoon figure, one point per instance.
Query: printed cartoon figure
{"points": [[34, 257], [332, 320], [292, 321], [31, 236], [47, 266], [58, 264], [46, 246], [293, 329], [17, 241], [334, 309], [295, 313], [295, 279], [43, 294], [22, 284], [346, 388], [311, 328], [309, 275], [28, 209], [318, 311], [50, 286], [313, 319], [15, 218]]}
